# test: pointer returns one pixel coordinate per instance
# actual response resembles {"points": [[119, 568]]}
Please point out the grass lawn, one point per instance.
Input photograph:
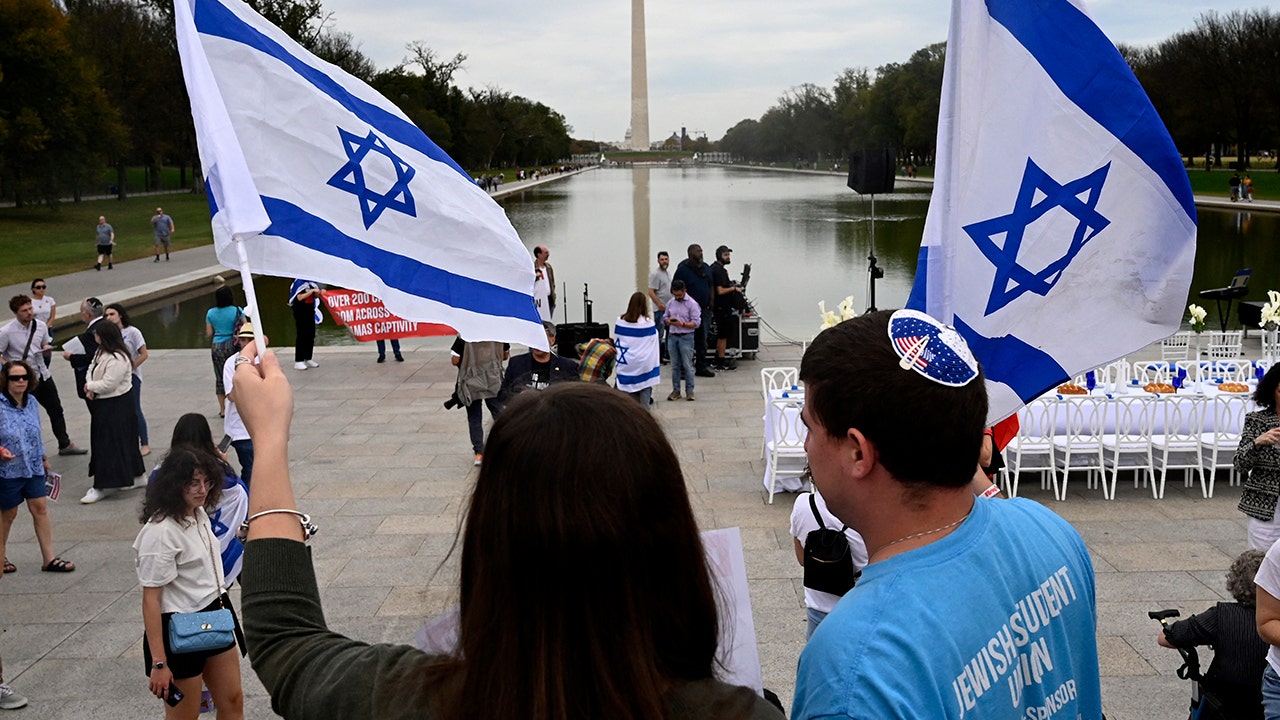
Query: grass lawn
{"points": [[56, 242], [1266, 183]]}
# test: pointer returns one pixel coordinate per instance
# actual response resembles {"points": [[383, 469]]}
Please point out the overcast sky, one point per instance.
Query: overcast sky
{"points": [[711, 63]]}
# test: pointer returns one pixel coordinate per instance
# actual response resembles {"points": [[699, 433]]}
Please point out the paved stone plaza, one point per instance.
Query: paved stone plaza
{"points": [[386, 471]]}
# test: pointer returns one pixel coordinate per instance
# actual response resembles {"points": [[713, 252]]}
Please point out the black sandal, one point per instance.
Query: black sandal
{"points": [[9, 567], [59, 565]]}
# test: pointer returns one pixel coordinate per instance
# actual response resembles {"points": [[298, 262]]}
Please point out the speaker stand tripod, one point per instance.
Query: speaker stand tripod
{"points": [[873, 270]]}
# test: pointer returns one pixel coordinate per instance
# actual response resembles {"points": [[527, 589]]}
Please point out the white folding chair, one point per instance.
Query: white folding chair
{"points": [[1128, 446], [785, 445], [1225, 345], [1220, 371], [1270, 349], [1031, 450], [1218, 444], [1115, 375], [1175, 347], [777, 378], [1080, 448], [1153, 371], [1178, 445]]}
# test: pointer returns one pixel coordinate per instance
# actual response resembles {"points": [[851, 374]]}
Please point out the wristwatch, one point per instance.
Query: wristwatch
{"points": [[158, 666]]}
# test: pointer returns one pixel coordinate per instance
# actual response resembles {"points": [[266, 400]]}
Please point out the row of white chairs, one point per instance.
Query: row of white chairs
{"points": [[1120, 373], [1104, 435], [783, 445], [1220, 345]]}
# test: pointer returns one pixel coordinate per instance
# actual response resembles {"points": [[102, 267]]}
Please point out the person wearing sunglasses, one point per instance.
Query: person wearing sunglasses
{"points": [[24, 464], [46, 310]]}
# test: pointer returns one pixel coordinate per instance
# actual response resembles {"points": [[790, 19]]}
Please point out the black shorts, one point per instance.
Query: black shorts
{"points": [[188, 665], [105, 249]]}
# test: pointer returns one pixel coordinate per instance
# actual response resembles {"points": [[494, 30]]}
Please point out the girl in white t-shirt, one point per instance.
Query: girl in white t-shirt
{"points": [[803, 521], [45, 308], [181, 572]]}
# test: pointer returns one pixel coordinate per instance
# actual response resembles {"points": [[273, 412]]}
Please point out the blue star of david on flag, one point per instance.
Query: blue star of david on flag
{"points": [[1078, 198], [350, 177], [622, 353]]}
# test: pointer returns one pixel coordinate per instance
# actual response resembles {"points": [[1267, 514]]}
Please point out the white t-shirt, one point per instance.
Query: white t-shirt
{"points": [[43, 308], [134, 341], [542, 295], [802, 523], [232, 424], [1268, 578], [177, 556]]}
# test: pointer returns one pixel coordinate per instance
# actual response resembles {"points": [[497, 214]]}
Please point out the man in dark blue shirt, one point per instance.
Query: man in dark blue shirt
{"points": [[697, 281]]}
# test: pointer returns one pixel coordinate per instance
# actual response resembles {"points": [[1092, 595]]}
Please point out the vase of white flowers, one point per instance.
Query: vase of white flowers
{"points": [[1197, 326], [1270, 324], [830, 318]]}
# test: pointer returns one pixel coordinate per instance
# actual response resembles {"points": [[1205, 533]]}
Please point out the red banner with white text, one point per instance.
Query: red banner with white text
{"points": [[368, 320]]}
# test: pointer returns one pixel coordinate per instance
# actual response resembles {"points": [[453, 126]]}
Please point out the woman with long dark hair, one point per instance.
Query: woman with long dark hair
{"points": [[181, 572], [115, 460], [220, 325], [584, 590], [24, 464], [1258, 462], [137, 345]]}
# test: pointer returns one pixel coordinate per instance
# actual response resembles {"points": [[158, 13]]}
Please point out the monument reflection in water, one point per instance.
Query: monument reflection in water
{"points": [[806, 236]]}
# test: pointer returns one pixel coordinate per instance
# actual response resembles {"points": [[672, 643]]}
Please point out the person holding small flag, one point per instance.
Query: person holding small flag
{"points": [[304, 296]]}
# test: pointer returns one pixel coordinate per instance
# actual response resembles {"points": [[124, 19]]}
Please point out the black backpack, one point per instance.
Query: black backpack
{"points": [[828, 559]]}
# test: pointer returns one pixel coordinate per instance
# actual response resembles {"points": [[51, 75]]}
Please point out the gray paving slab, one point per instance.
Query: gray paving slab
{"points": [[386, 471]]}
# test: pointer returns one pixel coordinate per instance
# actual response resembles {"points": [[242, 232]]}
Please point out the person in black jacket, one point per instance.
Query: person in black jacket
{"points": [[90, 313], [537, 369], [1233, 684], [697, 282]]}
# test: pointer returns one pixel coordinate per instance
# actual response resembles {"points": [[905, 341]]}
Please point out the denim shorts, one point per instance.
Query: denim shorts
{"points": [[14, 492]]}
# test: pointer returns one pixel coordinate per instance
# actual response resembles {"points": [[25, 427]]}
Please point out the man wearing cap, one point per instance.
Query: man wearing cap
{"points": [[969, 607], [537, 369], [724, 299], [232, 425]]}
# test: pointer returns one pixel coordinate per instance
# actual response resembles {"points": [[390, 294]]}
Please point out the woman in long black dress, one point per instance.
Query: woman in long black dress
{"points": [[116, 460]]}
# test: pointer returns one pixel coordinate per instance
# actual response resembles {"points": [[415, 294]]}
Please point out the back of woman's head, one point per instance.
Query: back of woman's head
{"points": [[636, 307], [1240, 576], [222, 297], [1265, 394], [166, 493], [584, 586], [192, 430]]}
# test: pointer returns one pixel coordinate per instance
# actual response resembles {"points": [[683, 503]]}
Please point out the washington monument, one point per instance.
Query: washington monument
{"points": [[639, 80]]}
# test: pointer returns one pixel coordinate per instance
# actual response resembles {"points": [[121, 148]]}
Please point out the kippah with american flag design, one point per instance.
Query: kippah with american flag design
{"points": [[931, 348]]}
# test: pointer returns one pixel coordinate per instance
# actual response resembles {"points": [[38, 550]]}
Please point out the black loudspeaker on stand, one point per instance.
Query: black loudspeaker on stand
{"points": [[871, 171]]}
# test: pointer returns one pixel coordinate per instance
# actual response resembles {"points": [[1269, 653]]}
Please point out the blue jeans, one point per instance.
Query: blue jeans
{"points": [[680, 345], [644, 397], [382, 348], [244, 453], [137, 408], [1270, 694], [814, 618], [662, 334], [475, 422]]}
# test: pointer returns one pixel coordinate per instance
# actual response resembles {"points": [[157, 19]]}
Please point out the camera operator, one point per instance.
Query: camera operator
{"points": [[727, 297]]}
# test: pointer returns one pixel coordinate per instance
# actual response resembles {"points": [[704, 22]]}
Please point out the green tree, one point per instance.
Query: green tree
{"points": [[56, 124]]}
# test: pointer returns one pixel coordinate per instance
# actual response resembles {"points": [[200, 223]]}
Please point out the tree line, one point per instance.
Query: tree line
{"points": [[89, 86], [1215, 85]]}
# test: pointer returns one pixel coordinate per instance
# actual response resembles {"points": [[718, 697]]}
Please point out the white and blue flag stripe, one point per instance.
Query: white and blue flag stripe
{"points": [[1061, 231], [637, 345], [322, 177]]}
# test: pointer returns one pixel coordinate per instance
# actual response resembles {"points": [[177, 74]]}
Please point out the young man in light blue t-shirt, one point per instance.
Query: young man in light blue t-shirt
{"points": [[969, 607]]}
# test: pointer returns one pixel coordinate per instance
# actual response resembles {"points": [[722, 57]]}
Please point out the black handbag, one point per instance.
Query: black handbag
{"points": [[828, 559]]}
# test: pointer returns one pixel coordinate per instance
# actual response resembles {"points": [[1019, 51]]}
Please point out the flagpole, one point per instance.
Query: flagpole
{"points": [[250, 297]]}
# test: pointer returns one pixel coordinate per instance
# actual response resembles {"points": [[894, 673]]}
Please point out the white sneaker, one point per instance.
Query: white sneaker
{"points": [[299, 366], [312, 363], [93, 496], [10, 700]]}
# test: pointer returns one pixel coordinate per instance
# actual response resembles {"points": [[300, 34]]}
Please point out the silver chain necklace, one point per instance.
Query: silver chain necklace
{"points": [[948, 526]]}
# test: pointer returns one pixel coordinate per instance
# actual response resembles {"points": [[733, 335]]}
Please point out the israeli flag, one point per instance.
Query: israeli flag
{"points": [[321, 176], [1061, 233], [637, 344]]}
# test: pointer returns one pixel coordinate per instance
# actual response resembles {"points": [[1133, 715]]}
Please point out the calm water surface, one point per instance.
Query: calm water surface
{"points": [[807, 238]]}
